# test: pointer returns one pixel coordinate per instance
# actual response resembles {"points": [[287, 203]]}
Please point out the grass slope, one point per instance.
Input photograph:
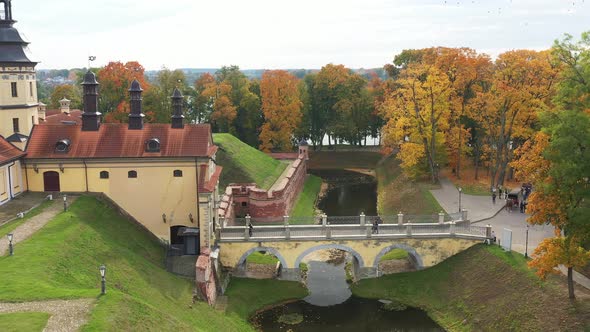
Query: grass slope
{"points": [[484, 289], [243, 163], [305, 204], [260, 258], [62, 259], [23, 321], [395, 192], [394, 254]]}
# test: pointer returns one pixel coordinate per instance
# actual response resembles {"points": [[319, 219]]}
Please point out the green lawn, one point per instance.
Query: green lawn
{"points": [[261, 258], [243, 163], [394, 254], [246, 296], [10, 226], [483, 289], [23, 321], [305, 204], [61, 261]]}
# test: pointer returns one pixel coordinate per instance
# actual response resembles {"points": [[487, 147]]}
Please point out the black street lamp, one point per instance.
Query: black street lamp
{"points": [[65, 203], [10, 248], [460, 192], [103, 282], [526, 243]]}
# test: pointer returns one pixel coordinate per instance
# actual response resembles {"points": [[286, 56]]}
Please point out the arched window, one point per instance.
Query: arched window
{"points": [[132, 174], [104, 175], [177, 173]]}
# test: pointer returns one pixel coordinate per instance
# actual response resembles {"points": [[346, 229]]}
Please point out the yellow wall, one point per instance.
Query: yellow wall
{"points": [[25, 120], [154, 192], [431, 251], [11, 176], [3, 184]]}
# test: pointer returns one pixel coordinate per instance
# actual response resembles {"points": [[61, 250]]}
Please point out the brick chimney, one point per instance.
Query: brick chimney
{"points": [[91, 115], [136, 115], [177, 116]]}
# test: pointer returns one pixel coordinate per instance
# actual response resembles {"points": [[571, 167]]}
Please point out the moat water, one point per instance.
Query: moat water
{"points": [[349, 193]]}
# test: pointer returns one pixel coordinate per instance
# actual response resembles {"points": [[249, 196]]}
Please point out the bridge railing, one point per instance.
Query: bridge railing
{"points": [[343, 231]]}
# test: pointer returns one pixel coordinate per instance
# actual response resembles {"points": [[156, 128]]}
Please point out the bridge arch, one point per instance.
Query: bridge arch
{"points": [[415, 256], [265, 249], [356, 255]]}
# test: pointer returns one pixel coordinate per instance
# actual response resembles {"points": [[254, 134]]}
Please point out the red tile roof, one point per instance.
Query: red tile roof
{"points": [[75, 115], [209, 186], [8, 152], [54, 112], [114, 140]]}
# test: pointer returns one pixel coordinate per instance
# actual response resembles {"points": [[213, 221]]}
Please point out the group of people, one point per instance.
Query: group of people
{"points": [[521, 201]]}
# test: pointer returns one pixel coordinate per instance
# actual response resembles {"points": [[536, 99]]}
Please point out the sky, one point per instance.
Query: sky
{"points": [[280, 34]]}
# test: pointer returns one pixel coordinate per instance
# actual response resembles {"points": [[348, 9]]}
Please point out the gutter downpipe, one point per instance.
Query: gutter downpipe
{"points": [[85, 173]]}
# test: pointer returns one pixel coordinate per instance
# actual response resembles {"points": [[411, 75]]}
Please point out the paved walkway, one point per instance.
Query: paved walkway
{"points": [[278, 181], [32, 225], [21, 203], [478, 207], [66, 315], [481, 211]]}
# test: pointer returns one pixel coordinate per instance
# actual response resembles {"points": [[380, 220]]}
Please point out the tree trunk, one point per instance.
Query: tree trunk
{"points": [[476, 162], [570, 282], [458, 170]]}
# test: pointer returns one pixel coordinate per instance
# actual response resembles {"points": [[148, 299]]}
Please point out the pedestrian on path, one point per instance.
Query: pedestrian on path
{"points": [[494, 197], [376, 226], [250, 229]]}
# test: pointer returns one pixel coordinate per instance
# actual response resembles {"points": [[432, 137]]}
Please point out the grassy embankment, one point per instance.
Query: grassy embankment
{"points": [[23, 321], [485, 289], [61, 262], [243, 163], [260, 258], [305, 203], [396, 192], [394, 254]]}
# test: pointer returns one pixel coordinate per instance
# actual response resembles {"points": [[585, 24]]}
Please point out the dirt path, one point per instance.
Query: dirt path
{"points": [[32, 225], [66, 315]]}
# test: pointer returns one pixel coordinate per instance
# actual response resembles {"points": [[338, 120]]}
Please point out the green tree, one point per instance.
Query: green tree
{"points": [[67, 91]]}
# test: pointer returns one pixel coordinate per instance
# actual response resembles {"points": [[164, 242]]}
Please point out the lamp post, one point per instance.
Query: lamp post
{"points": [[526, 243], [10, 249], [460, 192], [103, 282], [65, 203]]}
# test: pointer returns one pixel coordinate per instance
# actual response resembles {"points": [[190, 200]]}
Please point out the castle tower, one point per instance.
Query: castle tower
{"points": [[18, 85]]}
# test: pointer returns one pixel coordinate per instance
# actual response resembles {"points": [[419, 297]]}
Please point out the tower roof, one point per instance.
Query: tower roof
{"points": [[13, 47]]}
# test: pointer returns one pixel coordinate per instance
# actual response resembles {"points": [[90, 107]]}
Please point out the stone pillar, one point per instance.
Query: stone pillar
{"points": [[247, 227], [464, 214], [409, 229], [287, 229], [286, 220], [441, 217], [221, 222], [400, 218], [324, 219], [489, 231], [452, 228], [328, 232], [362, 217], [369, 231]]}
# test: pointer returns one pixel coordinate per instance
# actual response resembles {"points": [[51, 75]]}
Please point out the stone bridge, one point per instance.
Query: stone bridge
{"points": [[427, 243]]}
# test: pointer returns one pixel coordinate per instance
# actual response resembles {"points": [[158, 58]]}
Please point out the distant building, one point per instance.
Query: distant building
{"points": [[18, 88]]}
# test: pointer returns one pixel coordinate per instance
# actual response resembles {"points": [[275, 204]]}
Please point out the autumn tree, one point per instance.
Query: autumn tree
{"points": [[157, 100], [574, 86], [557, 161], [281, 107], [67, 91], [417, 114], [115, 79], [202, 105], [223, 111]]}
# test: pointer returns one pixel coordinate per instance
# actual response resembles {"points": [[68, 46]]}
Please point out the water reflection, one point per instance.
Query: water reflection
{"points": [[326, 284], [354, 315]]}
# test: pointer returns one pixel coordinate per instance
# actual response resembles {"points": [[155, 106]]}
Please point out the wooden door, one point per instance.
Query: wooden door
{"points": [[51, 181]]}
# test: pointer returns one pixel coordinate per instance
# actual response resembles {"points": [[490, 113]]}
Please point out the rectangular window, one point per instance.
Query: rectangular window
{"points": [[13, 89], [31, 88], [15, 125]]}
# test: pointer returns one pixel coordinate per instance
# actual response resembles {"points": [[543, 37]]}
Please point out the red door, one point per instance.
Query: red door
{"points": [[51, 181]]}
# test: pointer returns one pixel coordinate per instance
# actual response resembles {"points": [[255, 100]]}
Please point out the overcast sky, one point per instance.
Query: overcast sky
{"points": [[256, 34]]}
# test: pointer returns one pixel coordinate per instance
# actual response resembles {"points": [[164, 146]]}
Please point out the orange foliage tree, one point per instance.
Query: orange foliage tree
{"points": [[115, 79], [281, 107], [224, 112]]}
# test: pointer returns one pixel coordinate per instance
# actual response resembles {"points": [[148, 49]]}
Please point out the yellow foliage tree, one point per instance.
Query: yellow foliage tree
{"points": [[281, 107]]}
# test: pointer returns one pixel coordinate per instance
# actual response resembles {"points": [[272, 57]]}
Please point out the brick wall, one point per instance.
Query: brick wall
{"points": [[246, 198]]}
